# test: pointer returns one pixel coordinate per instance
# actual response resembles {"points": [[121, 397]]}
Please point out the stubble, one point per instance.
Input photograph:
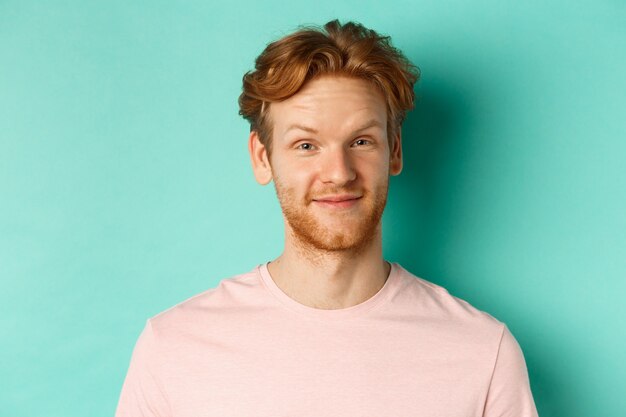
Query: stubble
{"points": [[356, 231]]}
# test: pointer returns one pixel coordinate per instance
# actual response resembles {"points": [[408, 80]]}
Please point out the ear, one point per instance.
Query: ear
{"points": [[395, 156], [260, 159]]}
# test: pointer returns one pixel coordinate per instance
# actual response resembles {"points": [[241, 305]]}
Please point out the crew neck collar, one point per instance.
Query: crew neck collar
{"points": [[349, 312]]}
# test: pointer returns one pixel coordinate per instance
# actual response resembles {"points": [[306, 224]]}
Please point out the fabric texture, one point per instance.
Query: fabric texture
{"points": [[245, 348]]}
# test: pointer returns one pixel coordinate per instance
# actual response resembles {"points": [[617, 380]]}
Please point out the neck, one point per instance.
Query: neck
{"points": [[330, 280]]}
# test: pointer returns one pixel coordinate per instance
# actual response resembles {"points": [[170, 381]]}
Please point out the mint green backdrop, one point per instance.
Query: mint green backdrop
{"points": [[125, 183]]}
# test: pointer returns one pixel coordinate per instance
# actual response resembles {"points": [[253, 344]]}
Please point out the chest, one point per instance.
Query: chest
{"points": [[302, 372]]}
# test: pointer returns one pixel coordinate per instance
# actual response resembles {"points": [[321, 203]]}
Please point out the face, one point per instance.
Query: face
{"points": [[330, 163]]}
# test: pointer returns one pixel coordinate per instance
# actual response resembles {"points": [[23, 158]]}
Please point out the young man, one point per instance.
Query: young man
{"points": [[329, 328]]}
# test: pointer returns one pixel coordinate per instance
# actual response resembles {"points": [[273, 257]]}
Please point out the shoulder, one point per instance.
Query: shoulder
{"points": [[433, 304], [206, 308]]}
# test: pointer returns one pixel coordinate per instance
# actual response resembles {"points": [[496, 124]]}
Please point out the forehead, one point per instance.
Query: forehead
{"points": [[330, 103]]}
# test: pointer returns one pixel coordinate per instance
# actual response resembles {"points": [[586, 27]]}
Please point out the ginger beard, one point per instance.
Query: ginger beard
{"points": [[356, 227]]}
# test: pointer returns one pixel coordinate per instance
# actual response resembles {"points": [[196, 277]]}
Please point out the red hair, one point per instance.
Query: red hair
{"points": [[350, 50]]}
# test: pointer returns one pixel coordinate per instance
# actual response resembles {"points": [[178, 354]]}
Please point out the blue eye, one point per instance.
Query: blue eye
{"points": [[362, 140]]}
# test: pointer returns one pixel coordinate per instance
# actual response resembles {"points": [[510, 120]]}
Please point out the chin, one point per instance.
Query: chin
{"points": [[330, 240]]}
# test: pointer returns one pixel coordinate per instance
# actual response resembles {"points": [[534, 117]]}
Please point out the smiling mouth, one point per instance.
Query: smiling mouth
{"points": [[338, 203]]}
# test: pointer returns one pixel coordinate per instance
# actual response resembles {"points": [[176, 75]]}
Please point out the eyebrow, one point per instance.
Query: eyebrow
{"points": [[370, 123]]}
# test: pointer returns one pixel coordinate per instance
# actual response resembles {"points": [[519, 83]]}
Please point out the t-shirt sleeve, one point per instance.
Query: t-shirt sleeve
{"points": [[509, 392], [143, 394]]}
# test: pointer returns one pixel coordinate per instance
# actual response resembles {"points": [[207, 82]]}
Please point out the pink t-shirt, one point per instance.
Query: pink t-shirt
{"points": [[246, 349]]}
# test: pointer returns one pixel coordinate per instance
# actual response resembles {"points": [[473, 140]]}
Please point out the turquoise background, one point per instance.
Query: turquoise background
{"points": [[126, 187]]}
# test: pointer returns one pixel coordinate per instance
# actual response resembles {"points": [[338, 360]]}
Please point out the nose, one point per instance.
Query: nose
{"points": [[336, 166]]}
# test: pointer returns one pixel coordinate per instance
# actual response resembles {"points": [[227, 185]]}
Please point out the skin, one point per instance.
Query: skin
{"points": [[333, 255]]}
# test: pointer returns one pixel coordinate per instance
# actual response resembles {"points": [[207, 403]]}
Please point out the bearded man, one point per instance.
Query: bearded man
{"points": [[328, 328]]}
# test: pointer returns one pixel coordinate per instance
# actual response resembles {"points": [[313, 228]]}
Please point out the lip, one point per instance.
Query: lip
{"points": [[338, 201], [338, 198]]}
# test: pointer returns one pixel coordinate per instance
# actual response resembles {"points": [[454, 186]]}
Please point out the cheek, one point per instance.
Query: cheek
{"points": [[294, 185], [376, 169]]}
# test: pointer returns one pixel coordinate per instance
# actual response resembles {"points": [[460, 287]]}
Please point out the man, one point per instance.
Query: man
{"points": [[329, 328]]}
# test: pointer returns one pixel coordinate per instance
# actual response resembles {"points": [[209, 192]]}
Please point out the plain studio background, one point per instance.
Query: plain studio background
{"points": [[126, 187]]}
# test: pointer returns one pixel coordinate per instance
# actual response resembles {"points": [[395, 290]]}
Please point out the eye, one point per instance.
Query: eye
{"points": [[362, 142], [305, 146]]}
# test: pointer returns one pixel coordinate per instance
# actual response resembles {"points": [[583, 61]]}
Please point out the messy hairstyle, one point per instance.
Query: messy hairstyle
{"points": [[351, 50]]}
